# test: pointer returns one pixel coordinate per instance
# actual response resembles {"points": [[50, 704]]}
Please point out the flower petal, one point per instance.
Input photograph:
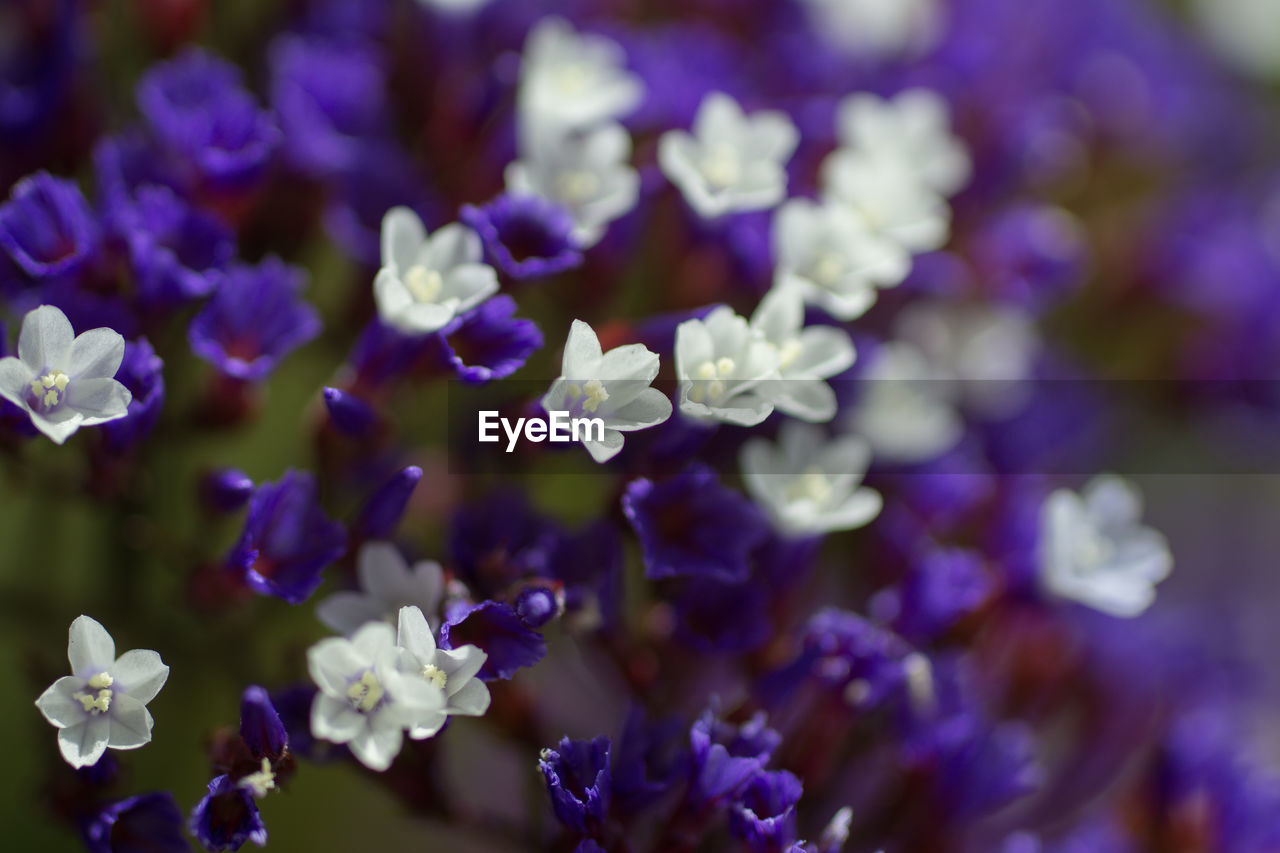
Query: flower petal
{"points": [[140, 673], [605, 449], [402, 236], [96, 354], [45, 338], [335, 720], [15, 379], [83, 744], [414, 634], [460, 664], [382, 571], [57, 704], [331, 662], [90, 648], [345, 612], [99, 400], [131, 723], [471, 700], [581, 353], [377, 747]]}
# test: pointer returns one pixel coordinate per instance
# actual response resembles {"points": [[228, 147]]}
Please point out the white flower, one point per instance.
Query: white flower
{"points": [[1094, 550], [915, 127], [426, 281], [878, 28], [891, 199], [985, 350], [808, 484], [62, 380], [720, 363], [612, 386], [806, 357], [589, 173], [833, 259], [452, 671], [572, 81], [386, 584], [455, 6], [1245, 33], [732, 161], [103, 703], [907, 412], [366, 701]]}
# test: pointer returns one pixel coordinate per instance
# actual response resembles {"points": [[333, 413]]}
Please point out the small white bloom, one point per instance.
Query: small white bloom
{"points": [[426, 281], [1094, 550], [732, 161], [987, 350], [889, 196], [452, 671], [721, 363], [915, 127], [806, 356], [455, 6], [833, 259], [589, 173], [1245, 33], [386, 584], [808, 484], [366, 701], [572, 81], [907, 412], [612, 386], [64, 381], [103, 703], [878, 28]]}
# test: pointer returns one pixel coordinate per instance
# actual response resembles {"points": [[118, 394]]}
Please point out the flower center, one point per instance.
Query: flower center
{"points": [[435, 675], [424, 285], [260, 781], [811, 485], [721, 167], [1092, 549], [99, 702], [828, 269], [50, 388], [711, 376], [577, 186], [366, 693], [573, 78], [788, 353]]}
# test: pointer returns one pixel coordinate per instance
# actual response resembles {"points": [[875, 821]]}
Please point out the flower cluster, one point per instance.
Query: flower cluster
{"points": [[857, 298]]}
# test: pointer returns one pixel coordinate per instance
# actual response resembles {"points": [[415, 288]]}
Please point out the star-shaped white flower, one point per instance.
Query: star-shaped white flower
{"points": [[589, 173], [907, 409], [829, 255], [878, 28], [452, 671], [806, 356], [732, 161], [809, 484], [572, 81], [426, 281], [64, 381], [1094, 550], [386, 584], [721, 364], [890, 198], [915, 128], [612, 386], [458, 7], [103, 703], [366, 701]]}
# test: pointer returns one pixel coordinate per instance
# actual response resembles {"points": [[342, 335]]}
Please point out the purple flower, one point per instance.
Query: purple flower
{"points": [[726, 617], [47, 227], [576, 773], [127, 162], [196, 107], [147, 823], [489, 342], [692, 526], [944, 586], [227, 816], [726, 757], [381, 514], [140, 372], [649, 760], [525, 236], [256, 317], [499, 632], [381, 354], [329, 97], [175, 249], [225, 490], [287, 540], [764, 814], [499, 540]]}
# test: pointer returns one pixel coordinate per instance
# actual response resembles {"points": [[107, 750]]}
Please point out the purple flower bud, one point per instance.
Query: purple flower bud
{"points": [[352, 416], [525, 236], [381, 514], [260, 725], [226, 490], [537, 605], [576, 774], [227, 816], [47, 227], [150, 822]]}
